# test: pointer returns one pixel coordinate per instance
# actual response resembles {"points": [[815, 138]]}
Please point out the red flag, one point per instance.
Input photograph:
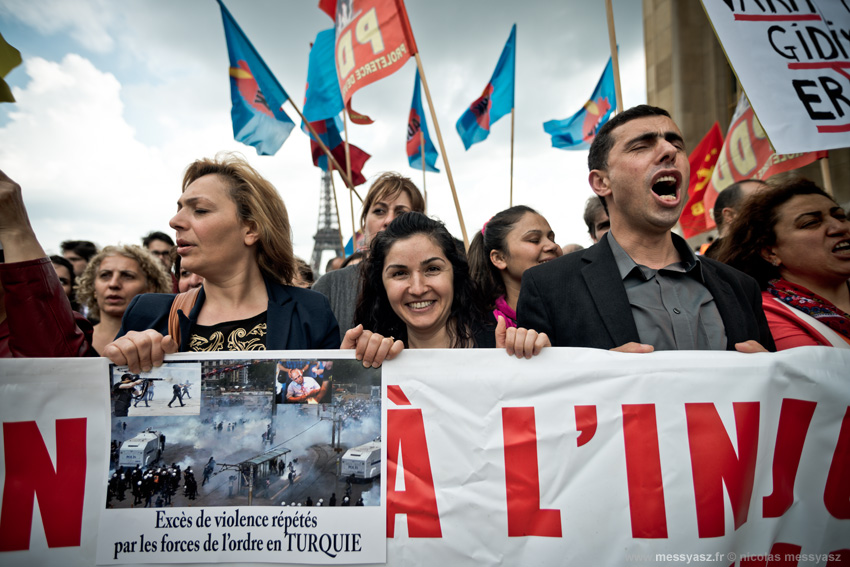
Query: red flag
{"points": [[373, 41], [329, 131], [328, 7], [747, 154], [694, 220], [356, 117]]}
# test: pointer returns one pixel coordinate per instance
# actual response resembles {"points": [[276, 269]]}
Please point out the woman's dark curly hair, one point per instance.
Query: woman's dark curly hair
{"points": [[753, 229], [373, 307], [493, 236]]}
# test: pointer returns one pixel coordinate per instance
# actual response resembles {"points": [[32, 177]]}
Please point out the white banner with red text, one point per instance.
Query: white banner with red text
{"points": [[578, 457], [793, 60]]}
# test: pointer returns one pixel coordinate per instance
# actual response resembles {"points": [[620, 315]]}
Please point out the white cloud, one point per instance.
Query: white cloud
{"points": [[100, 155], [85, 22]]}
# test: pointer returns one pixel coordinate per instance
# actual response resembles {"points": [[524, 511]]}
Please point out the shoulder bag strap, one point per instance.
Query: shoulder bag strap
{"points": [[182, 302]]}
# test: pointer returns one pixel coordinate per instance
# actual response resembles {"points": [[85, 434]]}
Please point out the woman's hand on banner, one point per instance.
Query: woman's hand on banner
{"points": [[140, 351]]}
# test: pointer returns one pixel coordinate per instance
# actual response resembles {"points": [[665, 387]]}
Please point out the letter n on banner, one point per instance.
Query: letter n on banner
{"points": [[715, 463], [643, 469], [30, 472], [836, 495], [525, 518], [406, 436]]}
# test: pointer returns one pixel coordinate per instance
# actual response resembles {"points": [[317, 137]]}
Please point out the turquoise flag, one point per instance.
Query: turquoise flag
{"points": [[577, 132], [257, 97], [496, 100]]}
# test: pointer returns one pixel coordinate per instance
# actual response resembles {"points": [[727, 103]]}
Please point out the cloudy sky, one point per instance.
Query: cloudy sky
{"points": [[116, 98]]}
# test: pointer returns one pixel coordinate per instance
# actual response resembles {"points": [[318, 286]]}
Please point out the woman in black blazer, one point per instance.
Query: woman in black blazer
{"points": [[233, 230]]}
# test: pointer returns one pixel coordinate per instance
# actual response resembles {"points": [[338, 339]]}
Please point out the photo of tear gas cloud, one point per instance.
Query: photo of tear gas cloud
{"points": [[248, 444]]}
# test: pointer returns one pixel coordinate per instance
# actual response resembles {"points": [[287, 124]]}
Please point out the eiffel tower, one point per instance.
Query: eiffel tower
{"points": [[327, 233]]}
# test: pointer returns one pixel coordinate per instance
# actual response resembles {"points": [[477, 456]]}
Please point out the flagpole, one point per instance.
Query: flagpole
{"points": [[442, 149], [422, 151], [348, 168], [615, 63], [325, 149], [511, 201], [338, 220], [827, 178]]}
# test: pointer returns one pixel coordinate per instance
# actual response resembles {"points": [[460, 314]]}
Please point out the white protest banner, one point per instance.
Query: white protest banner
{"points": [[229, 461], [587, 457], [54, 438], [793, 60], [578, 457]]}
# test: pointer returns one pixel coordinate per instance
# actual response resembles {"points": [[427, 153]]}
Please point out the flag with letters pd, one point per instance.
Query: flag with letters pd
{"points": [[373, 41], [496, 100], [417, 131], [577, 131], [747, 154], [257, 97]]}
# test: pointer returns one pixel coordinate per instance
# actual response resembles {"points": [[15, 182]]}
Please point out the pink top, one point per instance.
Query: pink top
{"points": [[504, 310]]}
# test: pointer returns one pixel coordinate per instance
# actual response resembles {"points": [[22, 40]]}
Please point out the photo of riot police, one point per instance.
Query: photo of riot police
{"points": [[244, 449], [170, 389]]}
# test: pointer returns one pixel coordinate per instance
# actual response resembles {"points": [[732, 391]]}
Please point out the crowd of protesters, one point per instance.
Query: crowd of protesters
{"points": [[776, 279]]}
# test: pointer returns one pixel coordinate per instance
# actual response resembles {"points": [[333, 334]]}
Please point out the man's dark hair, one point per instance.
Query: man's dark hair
{"points": [[358, 255], [601, 146], [592, 209], [82, 248], [730, 197], [156, 235], [329, 265]]}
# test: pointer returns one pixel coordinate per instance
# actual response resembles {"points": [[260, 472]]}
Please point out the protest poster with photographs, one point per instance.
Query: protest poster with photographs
{"points": [[272, 458]]}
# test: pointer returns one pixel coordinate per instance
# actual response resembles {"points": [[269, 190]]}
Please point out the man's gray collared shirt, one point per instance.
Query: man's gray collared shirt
{"points": [[672, 308]]}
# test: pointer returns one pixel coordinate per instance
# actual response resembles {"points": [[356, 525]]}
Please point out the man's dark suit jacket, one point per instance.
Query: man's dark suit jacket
{"points": [[296, 319], [579, 301]]}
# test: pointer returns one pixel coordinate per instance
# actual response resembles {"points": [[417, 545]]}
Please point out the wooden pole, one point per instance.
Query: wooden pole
{"points": [[615, 64], [511, 200], [443, 150], [325, 149], [422, 152], [348, 169], [338, 219], [827, 178]]}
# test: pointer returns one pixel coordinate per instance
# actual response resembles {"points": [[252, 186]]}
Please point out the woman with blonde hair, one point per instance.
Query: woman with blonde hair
{"points": [[232, 230], [110, 282]]}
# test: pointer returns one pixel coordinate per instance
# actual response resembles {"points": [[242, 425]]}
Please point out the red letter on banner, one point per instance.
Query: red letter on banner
{"points": [[406, 434], [836, 495], [525, 518], [794, 420], [585, 423], [714, 463], [29, 471], [643, 469]]}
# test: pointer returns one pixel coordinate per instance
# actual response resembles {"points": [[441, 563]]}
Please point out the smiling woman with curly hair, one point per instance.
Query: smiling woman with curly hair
{"points": [[111, 280]]}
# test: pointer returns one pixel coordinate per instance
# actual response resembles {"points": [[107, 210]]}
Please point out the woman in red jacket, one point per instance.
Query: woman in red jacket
{"points": [[795, 241]]}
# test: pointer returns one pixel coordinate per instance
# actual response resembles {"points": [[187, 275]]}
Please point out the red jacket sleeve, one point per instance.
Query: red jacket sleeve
{"points": [[38, 315]]}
